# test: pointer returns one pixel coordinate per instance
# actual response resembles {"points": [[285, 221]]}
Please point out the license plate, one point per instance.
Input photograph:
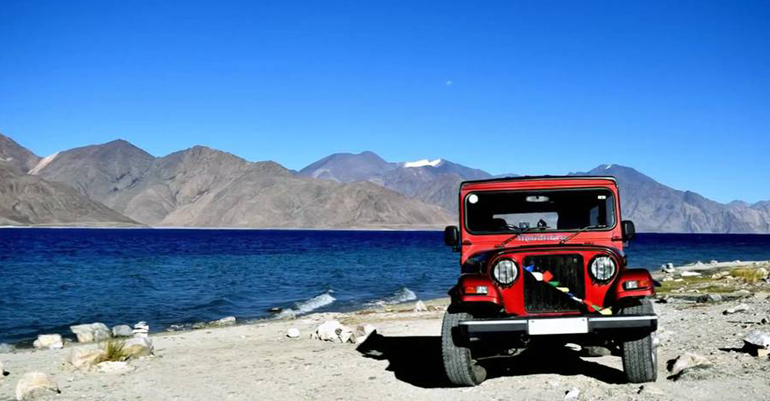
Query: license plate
{"points": [[565, 325]]}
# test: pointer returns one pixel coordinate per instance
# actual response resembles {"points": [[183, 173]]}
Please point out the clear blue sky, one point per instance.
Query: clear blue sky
{"points": [[678, 89]]}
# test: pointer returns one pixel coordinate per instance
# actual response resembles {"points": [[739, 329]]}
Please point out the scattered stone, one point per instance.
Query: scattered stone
{"points": [[6, 348], [292, 333], [88, 333], [706, 298], [419, 306], [736, 309], [333, 331], [113, 367], [765, 320], [141, 330], [594, 351], [743, 293], [720, 275], [690, 274], [678, 280], [762, 273], [573, 394], [668, 278], [687, 362], [83, 358], [49, 341], [138, 346], [363, 332], [758, 339], [35, 384], [122, 330]]}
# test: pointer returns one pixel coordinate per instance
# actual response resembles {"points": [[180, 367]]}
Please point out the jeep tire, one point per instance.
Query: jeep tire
{"points": [[458, 363], [640, 357]]}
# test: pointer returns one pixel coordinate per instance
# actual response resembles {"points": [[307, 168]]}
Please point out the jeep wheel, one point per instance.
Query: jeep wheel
{"points": [[640, 357], [458, 363]]}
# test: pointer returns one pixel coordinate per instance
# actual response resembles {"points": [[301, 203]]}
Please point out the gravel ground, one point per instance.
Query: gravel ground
{"points": [[257, 361]]}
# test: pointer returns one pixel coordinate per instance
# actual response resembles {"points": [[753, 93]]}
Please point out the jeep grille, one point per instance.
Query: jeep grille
{"points": [[541, 297]]}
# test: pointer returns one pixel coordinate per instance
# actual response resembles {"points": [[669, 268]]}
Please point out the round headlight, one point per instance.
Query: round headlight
{"points": [[603, 268], [505, 271]]}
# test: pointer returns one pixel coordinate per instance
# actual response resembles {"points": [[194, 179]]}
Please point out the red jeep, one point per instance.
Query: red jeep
{"points": [[542, 262]]}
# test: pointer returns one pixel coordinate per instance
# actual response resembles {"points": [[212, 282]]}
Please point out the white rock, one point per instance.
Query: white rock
{"points": [[88, 333], [34, 384], [690, 274], [138, 346], [739, 308], [122, 330], [419, 306], [49, 341], [334, 331], [363, 332], [762, 273], [572, 394], [758, 338], [292, 333], [141, 330], [84, 358], [687, 361], [114, 367]]}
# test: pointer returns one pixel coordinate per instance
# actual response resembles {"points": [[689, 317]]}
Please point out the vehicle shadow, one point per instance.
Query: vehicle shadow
{"points": [[417, 360]]}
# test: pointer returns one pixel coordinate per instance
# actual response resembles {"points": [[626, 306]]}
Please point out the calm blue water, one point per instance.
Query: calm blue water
{"points": [[53, 278]]}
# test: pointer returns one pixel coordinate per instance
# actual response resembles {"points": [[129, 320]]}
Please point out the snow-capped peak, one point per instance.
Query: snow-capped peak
{"points": [[423, 163]]}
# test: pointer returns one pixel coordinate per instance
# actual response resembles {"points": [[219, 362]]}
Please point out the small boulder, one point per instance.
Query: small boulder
{"points": [[706, 298], [48, 341], [595, 351], [292, 333], [141, 330], [736, 309], [419, 306], [138, 346], [573, 394], [88, 333], [758, 339], [35, 384], [84, 358], [762, 273], [333, 331], [363, 332], [690, 274], [122, 330], [686, 362]]}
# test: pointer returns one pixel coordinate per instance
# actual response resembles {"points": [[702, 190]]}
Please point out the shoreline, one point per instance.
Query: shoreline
{"points": [[658, 274]]}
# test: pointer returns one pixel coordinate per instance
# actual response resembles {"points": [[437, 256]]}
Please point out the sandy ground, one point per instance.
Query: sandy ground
{"points": [[258, 361]]}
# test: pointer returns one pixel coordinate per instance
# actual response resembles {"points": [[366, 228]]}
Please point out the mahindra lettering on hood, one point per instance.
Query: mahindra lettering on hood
{"points": [[542, 263]]}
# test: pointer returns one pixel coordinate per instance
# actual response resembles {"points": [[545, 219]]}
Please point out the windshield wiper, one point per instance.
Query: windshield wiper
{"points": [[565, 239], [513, 237]]}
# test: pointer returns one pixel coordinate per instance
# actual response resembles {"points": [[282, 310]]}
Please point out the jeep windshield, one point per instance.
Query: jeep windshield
{"points": [[545, 210]]}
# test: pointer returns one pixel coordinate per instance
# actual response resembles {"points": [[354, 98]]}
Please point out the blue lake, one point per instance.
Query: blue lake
{"points": [[53, 278]]}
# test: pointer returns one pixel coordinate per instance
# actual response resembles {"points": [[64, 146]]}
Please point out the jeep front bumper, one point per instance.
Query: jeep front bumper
{"points": [[561, 325]]}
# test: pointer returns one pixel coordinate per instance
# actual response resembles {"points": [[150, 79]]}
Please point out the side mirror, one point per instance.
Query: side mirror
{"points": [[628, 230], [452, 236]]}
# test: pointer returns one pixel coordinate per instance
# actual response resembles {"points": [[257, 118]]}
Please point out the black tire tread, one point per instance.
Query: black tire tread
{"points": [[458, 363], [638, 364]]}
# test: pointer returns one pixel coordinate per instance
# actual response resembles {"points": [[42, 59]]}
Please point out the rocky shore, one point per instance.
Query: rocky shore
{"points": [[712, 345]]}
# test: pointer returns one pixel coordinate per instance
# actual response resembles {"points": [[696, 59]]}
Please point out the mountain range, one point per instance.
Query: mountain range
{"points": [[119, 184]]}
